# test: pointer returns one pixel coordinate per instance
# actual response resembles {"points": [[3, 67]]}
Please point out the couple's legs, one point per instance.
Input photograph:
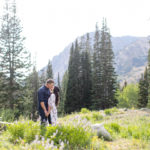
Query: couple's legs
{"points": [[44, 123]]}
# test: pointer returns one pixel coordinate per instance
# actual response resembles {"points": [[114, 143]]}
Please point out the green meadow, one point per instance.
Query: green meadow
{"points": [[129, 128]]}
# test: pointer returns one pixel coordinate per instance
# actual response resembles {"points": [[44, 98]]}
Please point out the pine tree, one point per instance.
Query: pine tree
{"points": [[29, 104], [104, 76], [67, 104], [63, 94], [61, 104], [88, 45], [85, 73], [143, 90], [108, 74], [42, 78], [73, 102], [148, 105], [14, 59], [96, 72], [49, 71], [81, 71], [3, 92], [34, 81], [64, 88]]}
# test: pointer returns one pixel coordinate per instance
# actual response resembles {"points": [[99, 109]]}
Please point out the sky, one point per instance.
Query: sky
{"points": [[50, 25]]}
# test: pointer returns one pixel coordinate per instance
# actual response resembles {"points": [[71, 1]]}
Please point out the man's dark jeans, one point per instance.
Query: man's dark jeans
{"points": [[44, 123]]}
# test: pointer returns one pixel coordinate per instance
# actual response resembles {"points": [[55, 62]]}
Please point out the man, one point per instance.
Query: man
{"points": [[43, 96]]}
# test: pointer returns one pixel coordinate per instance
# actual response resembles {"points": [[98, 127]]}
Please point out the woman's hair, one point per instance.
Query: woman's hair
{"points": [[56, 91]]}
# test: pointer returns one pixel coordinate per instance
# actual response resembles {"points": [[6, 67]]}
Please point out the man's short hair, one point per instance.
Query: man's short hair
{"points": [[49, 81]]}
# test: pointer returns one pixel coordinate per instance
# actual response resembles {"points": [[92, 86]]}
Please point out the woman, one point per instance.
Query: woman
{"points": [[53, 102]]}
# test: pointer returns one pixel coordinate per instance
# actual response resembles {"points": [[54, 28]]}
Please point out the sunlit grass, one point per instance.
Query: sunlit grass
{"points": [[129, 129]]}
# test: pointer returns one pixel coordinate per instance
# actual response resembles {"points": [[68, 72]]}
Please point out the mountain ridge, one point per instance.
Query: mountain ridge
{"points": [[130, 56]]}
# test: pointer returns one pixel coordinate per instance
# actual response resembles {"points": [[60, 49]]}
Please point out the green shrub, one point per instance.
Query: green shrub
{"points": [[86, 116], [75, 136], [139, 132], [8, 114], [26, 130], [124, 132], [97, 116], [116, 127], [32, 129], [113, 128], [107, 111], [97, 144], [85, 110], [128, 97], [114, 109], [110, 111], [16, 131]]}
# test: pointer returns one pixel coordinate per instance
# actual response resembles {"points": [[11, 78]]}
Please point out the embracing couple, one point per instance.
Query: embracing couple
{"points": [[48, 98]]}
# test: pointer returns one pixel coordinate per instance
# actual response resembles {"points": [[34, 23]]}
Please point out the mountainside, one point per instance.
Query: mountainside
{"points": [[130, 57]]}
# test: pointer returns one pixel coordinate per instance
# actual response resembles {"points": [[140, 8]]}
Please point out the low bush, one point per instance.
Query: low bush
{"points": [[71, 135], [26, 130], [110, 111], [32, 129], [16, 131], [97, 116], [127, 97], [107, 111], [97, 144], [75, 136], [116, 127], [113, 128], [140, 131], [84, 110], [8, 115]]}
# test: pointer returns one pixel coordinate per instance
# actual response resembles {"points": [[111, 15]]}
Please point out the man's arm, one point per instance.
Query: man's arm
{"points": [[41, 101], [44, 108]]}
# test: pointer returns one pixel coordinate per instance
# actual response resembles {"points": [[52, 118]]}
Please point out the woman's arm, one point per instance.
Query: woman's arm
{"points": [[49, 109]]}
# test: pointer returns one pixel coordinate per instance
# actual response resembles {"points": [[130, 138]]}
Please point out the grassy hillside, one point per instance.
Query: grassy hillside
{"points": [[130, 130]]}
